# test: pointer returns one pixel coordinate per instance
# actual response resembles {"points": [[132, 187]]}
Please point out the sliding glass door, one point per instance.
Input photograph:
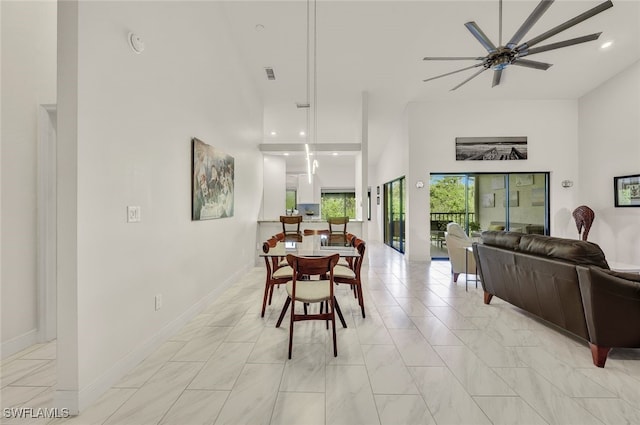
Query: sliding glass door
{"points": [[394, 213], [516, 202]]}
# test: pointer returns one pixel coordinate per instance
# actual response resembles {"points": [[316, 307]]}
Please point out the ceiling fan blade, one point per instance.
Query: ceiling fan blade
{"points": [[571, 22], [497, 75], [470, 78], [454, 72], [480, 36], [531, 64], [561, 44], [529, 23], [456, 58]]}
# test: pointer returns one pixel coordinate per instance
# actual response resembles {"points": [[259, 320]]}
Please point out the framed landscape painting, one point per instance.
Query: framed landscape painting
{"points": [[212, 176], [491, 148], [626, 190]]}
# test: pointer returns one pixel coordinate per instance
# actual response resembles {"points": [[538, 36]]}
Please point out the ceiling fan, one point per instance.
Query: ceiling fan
{"points": [[514, 52]]}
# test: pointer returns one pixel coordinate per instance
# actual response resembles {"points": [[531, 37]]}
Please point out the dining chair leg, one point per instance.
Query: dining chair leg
{"points": [[361, 300], [334, 303], [293, 310], [284, 310], [322, 304], [270, 293], [264, 298], [337, 307]]}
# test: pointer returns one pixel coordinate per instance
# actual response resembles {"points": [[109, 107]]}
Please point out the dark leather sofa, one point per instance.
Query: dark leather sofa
{"points": [[564, 281]]}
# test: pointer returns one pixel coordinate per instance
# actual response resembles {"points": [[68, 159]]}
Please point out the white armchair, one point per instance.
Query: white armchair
{"points": [[462, 260]]}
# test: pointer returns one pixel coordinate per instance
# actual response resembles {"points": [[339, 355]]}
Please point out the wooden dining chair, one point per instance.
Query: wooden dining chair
{"points": [[277, 273], [291, 227], [311, 291], [348, 261], [338, 229], [351, 275]]}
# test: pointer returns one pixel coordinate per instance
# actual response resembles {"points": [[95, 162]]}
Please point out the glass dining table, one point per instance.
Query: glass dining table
{"points": [[311, 246]]}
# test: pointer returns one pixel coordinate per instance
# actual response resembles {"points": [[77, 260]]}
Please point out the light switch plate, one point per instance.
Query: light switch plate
{"points": [[133, 214]]}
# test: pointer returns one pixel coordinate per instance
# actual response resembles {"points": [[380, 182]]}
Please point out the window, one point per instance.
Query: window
{"points": [[290, 202], [338, 203], [483, 201]]}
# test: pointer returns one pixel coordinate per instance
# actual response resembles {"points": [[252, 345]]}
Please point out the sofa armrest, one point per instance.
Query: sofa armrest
{"points": [[611, 304]]}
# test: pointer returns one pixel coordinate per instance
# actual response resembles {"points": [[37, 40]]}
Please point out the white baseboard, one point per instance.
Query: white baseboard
{"points": [[77, 401], [19, 343]]}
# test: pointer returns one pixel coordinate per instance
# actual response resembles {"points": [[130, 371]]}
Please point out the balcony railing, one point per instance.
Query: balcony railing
{"points": [[442, 218]]}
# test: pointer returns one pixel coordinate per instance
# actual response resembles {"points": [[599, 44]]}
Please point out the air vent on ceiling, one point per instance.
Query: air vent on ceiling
{"points": [[302, 105], [270, 74]]}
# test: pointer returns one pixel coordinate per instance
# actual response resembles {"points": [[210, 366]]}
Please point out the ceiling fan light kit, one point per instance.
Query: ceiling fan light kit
{"points": [[514, 52]]}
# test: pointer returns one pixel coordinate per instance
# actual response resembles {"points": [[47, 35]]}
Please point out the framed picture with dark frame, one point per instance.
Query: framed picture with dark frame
{"points": [[626, 191]]}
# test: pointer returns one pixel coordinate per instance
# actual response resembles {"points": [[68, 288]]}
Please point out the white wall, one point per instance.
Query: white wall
{"points": [[610, 146], [337, 174], [394, 159], [393, 164], [551, 128], [131, 145], [28, 79], [274, 197]]}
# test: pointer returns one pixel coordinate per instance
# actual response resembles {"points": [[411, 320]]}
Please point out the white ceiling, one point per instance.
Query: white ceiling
{"points": [[378, 46]]}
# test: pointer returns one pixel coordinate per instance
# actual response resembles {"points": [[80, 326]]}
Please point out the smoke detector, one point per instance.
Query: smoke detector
{"points": [[136, 43]]}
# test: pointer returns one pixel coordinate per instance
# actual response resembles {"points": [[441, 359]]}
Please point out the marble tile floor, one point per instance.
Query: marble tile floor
{"points": [[428, 352]]}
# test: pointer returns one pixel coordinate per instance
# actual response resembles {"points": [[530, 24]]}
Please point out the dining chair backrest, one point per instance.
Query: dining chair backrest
{"points": [[338, 224], [291, 225], [313, 266], [311, 232], [360, 246]]}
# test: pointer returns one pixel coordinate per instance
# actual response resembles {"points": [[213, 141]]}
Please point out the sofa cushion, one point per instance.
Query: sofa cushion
{"points": [[575, 251], [508, 240]]}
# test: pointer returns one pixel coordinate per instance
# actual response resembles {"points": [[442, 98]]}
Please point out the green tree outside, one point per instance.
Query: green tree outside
{"points": [[290, 200], [338, 205], [448, 195]]}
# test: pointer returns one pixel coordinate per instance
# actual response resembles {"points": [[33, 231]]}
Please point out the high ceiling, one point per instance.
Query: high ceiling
{"points": [[377, 47]]}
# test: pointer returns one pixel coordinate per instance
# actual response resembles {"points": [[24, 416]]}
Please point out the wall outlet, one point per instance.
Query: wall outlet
{"points": [[133, 214], [158, 302]]}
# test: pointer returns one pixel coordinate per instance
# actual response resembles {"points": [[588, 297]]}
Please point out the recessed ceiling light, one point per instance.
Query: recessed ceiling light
{"points": [[335, 154], [302, 133], [259, 27], [606, 44], [273, 133], [286, 154]]}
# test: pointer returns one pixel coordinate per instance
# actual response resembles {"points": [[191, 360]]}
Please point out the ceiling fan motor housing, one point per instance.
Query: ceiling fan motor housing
{"points": [[501, 58]]}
